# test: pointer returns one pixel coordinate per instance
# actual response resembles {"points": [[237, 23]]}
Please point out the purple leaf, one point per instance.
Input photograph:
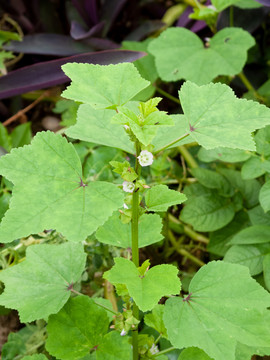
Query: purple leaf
{"points": [[198, 26], [264, 2], [49, 73], [102, 44], [184, 18], [78, 4], [77, 31], [145, 29], [111, 9], [91, 9], [48, 44]]}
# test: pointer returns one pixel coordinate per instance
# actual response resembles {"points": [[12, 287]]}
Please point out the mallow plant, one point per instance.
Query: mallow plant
{"points": [[225, 313]]}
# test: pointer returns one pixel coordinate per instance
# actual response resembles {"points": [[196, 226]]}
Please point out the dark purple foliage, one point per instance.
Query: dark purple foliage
{"points": [[49, 73], [264, 2]]}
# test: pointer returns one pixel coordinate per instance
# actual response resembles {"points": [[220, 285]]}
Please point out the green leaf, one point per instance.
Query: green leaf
{"points": [[208, 212], [95, 126], [115, 233], [145, 65], [155, 320], [5, 141], [252, 168], [167, 134], [245, 4], [220, 239], [159, 281], [249, 189], [160, 197], [257, 234], [114, 347], [180, 54], [17, 343], [38, 286], [262, 140], [103, 86], [194, 354], [258, 216], [212, 180], [266, 271], [223, 154], [35, 357], [244, 352], [76, 329], [222, 304], [4, 203], [248, 255], [125, 170], [264, 196], [52, 165], [215, 110], [21, 135], [108, 304], [68, 110]]}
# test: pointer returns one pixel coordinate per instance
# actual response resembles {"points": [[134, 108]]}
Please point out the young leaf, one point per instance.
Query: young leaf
{"points": [[160, 197], [264, 196], [214, 111], [222, 304], [115, 233], [146, 291], [223, 4], [38, 286], [62, 202], [253, 168], [95, 126], [103, 87], [155, 320], [180, 54], [76, 329]]}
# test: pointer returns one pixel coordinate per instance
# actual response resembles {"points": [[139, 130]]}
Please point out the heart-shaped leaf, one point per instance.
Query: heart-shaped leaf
{"points": [[105, 86], [212, 111], [62, 202], [147, 289], [180, 54], [38, 286], [224, 306]]}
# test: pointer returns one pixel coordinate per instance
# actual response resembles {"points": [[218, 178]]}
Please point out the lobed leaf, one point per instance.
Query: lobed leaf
{"points": [[180, 54], [212, 110], [62, 202], [38, 286], [105, 86], [224, 306], [146, 290]]}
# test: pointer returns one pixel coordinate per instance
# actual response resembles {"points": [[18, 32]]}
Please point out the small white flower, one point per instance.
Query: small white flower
{"points": [[212, 7], [154, 349], [123, 333], [125, 206], [126, 127], [128, 186], [145, 158]]}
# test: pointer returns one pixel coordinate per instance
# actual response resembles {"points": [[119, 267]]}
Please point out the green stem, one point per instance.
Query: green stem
{"points": [[250, 87], [135, 246], [184, 252], [188, 157], [167, 95], [171, 143], [163, 352], [188, 231]]}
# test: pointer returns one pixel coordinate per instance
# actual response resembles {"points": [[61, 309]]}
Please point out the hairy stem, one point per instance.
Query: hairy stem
{"points": [[135, 246]]}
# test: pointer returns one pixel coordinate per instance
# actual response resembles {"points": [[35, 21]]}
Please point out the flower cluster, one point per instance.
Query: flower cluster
{"points": [[128, 186]]}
